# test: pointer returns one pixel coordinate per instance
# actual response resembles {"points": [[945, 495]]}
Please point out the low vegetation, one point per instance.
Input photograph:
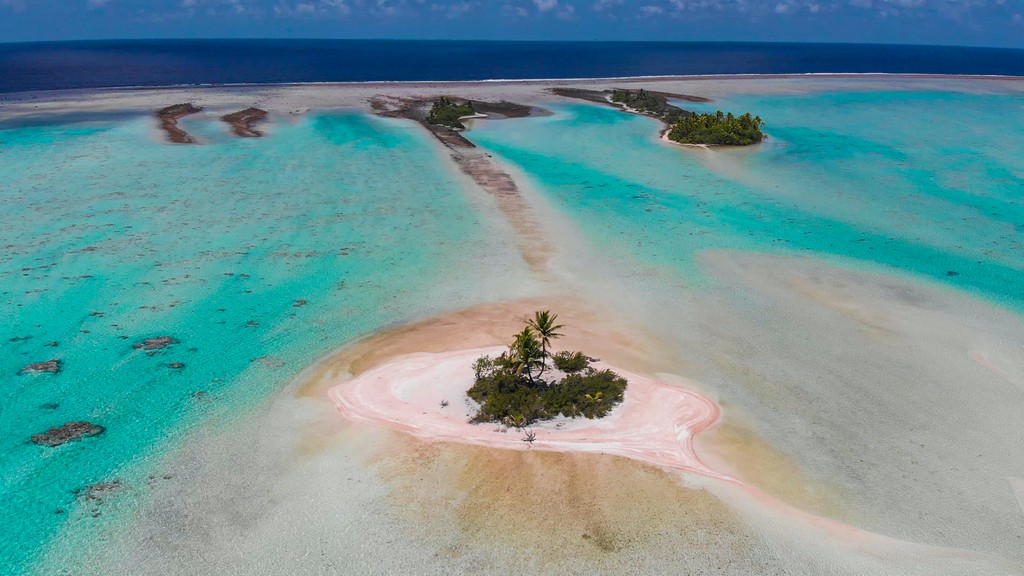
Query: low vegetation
{"points": [[512, 388], [648, 103], [446, 112], [686, 127], [717, 129]]}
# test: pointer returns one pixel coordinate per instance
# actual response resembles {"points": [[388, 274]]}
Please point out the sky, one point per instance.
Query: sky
{"points": [[952, 22]]}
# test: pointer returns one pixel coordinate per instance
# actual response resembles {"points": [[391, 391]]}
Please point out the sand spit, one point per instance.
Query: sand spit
{"points": [[486, 173], [169, 117], [242, 122], [423, 395], [530, 237], [655, 424]]}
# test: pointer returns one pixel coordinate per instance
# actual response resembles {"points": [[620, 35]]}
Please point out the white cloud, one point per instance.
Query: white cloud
{"points": [[94, 4], [514, 11], [546, 5], [216, 7], [311, 8], [602, 5], [455, 9]]}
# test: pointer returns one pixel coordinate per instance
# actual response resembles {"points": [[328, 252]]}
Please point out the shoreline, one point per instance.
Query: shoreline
{"points": [[656, 423], [718, 84], [546, 81]]}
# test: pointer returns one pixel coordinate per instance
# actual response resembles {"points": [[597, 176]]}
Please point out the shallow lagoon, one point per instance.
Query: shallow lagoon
{"points": [[923, 182], [112, 236], [257, 255]]}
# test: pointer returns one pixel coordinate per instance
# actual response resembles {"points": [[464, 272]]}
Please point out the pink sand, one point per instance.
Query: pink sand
{"points": [[655, 423]]}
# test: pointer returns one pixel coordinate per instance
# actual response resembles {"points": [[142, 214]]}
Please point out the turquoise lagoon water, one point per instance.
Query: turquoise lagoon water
{"points": [[926, 183], [110, 237]]}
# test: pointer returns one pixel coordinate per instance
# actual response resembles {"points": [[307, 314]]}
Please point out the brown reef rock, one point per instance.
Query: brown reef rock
{"points": [[242, 122], [69, 432], [169, 121], [155, 343], [47, 367]]}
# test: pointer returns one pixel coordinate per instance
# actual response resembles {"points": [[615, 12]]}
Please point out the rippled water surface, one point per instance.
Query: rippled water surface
{"points": [[257, 255]]}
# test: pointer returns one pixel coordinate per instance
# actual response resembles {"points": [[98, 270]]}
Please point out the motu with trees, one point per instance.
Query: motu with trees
{"points": [[512, 388]]}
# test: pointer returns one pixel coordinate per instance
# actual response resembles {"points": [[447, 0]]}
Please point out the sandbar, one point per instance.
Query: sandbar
{"points": [[425, 395]]}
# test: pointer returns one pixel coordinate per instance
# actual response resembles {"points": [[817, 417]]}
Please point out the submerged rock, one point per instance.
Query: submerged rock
{"points": [[69, 432], [99, 490], [155, 343], [48, 367], [176, 365]]}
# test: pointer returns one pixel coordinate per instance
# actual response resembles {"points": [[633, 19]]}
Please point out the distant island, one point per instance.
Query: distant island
{"points": [[511, 388], [683, 126], [648, 103], [447, 112], [717, 129]]}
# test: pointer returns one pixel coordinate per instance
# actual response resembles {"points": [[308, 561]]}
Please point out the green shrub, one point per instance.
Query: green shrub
{"points": [[445, 112], [571, 362], [646, 103]]}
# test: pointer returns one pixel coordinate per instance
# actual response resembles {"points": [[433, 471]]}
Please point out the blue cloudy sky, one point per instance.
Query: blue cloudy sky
{"points": [[963, 22]]}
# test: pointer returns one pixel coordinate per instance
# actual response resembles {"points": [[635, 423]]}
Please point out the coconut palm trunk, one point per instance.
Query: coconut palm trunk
{"points": [[543, 323]]}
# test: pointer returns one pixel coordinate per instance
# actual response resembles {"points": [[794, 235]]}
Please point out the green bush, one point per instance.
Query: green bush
{"points": [[445, 112], [718, 129], [571, 362]]}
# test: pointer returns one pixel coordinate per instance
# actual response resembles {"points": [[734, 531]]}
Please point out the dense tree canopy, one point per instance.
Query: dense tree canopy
{"points": [[718, 129]]}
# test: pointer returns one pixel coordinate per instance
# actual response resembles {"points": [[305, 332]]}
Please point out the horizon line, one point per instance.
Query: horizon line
{"points": [[504, 41]]}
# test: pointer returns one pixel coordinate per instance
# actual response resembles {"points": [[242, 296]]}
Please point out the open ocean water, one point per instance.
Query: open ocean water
{"points": [[93, 64]]}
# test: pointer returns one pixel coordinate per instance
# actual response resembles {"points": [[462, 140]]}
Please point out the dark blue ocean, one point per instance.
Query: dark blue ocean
{"points": [[92, 64]]}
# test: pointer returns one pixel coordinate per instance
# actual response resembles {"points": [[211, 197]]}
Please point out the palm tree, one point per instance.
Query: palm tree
{"points": [[543, 323], [526, 353]]}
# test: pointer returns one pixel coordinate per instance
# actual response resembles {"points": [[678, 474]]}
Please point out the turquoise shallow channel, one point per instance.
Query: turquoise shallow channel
{"points": [[260, 255], [923, 182], [257, 255]]}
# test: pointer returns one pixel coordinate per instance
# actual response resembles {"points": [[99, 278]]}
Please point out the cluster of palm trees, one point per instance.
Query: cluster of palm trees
{"points": [[529, 351]]}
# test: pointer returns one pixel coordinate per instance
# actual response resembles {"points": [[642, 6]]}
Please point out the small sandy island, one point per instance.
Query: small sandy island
{"points": [[425, 395]]}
